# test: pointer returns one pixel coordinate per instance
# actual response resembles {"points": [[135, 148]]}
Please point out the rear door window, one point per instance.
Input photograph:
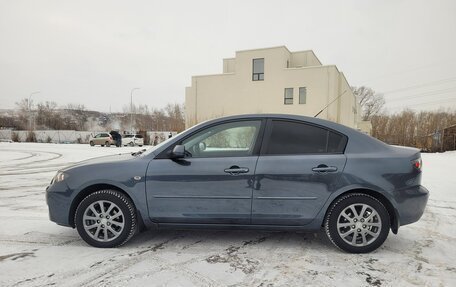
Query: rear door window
{"points": [[287, 137]]}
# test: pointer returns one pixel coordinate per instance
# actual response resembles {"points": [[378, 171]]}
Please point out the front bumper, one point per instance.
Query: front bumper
{"points": [[410, 204], [59, 202]]}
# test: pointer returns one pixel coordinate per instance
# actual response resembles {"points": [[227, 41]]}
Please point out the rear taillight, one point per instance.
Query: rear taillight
{"points": [[417, 163]]}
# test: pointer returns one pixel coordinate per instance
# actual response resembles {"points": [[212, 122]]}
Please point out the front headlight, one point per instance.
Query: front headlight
{"points": [[60, 176]]}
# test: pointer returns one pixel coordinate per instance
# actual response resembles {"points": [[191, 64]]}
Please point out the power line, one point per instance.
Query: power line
{"points": [[426, 103], [389, 75], [420, 86], [426, 94]]}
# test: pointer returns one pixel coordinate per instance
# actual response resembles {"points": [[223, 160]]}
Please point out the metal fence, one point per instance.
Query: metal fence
{"points": [[69, 136]]}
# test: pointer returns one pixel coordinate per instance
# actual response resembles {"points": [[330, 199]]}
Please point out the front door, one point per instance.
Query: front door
{"points": [[299, 166], [213, 183]]}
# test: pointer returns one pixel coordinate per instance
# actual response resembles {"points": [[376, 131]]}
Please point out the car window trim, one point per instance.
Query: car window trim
{"points": [[257, 146], [268, 132]]}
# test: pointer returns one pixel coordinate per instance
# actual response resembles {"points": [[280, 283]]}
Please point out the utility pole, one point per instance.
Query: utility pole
{"points": [[131, 108], [29, 104]]}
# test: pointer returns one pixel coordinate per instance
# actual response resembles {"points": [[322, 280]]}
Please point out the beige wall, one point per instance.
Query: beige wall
{"points": [[234, 92], [229, 65]]}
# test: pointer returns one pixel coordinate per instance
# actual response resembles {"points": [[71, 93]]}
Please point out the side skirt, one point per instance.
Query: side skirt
{"points": [[237, 227]]}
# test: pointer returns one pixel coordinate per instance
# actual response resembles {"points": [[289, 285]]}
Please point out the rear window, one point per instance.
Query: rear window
{"points": [[300, 138], [139, 136], [128, 136]]}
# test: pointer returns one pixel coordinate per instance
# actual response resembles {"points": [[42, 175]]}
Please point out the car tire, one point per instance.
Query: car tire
{"points": [[107, 144], [140, 145], [106, 219], [357, 223], [92, 143]]}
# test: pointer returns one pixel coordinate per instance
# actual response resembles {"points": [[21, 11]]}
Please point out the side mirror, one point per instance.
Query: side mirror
{"points": [[178, 151], [202, 146]]}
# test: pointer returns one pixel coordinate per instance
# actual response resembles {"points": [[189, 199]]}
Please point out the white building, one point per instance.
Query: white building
{"points": [[273, 80]]}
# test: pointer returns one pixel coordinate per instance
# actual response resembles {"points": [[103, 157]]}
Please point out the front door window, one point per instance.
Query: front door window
{"points": [[234, 139]]}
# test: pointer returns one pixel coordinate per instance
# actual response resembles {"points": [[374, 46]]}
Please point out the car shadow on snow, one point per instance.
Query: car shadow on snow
{"points": [[178, 240]]}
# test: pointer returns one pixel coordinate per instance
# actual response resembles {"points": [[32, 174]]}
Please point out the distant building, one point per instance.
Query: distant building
{"points": [[274, 80]]}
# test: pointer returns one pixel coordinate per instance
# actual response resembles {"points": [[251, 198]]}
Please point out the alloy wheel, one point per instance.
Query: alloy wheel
{"points": [[103, 220], [359, 224]]}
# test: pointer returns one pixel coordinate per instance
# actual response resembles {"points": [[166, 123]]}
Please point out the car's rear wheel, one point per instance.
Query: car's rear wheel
{"points": [[92, 143], [107, 144], [357, 223], [106, 218]]}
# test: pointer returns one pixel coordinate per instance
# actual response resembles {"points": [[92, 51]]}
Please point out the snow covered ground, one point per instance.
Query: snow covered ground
{"points": [[36, 252]]}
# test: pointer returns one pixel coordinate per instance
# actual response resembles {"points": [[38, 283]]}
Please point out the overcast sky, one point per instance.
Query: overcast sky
{"points": [[95, 52]]}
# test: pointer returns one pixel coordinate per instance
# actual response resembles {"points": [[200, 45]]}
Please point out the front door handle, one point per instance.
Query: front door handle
{"points": [[236, 170], [323, 168]]}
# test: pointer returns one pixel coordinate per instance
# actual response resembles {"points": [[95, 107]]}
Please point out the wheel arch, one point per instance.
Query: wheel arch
{"points": [[377, 195], [96, 187]]}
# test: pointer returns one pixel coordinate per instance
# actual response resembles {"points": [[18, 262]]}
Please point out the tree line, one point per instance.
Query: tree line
{"points": [[406, 128], [49, 115]]}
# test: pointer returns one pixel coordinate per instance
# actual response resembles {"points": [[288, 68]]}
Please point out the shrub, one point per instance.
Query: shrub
{"points": [[15, 137], [31, 137]]}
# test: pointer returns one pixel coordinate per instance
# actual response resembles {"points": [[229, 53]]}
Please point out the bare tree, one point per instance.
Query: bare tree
{"points": [[175, 113], [410, 128], [47, 116], [370, 101], [78, 115], [23, 112]]}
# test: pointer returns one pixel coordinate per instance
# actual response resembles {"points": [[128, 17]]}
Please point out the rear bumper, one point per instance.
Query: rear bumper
{"points": [[410, 204]]}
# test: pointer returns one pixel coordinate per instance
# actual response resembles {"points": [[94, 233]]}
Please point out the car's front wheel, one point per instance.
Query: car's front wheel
{"points": [[357, 223], [106, 218]]}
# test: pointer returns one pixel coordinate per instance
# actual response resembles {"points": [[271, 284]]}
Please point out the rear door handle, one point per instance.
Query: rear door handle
{"points": [[236, 170], [322, 168]]}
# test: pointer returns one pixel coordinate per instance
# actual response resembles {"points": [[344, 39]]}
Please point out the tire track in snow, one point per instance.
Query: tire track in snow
{"points": [[30, 154], [38, 153]]}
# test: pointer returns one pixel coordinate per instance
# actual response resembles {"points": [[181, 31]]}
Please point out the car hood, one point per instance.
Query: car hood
{"points": [[101, 160]]}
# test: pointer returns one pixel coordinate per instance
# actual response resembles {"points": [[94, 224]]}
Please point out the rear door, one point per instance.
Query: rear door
{"points": [[299, 166]]}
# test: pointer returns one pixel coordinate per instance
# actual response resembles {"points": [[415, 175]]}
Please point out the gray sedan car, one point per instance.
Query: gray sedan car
{"points": [[274, 172]]}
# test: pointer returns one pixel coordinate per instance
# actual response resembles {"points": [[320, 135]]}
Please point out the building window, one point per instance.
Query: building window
{"points": [[258, 70], [288, 97], [302, 95]]}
